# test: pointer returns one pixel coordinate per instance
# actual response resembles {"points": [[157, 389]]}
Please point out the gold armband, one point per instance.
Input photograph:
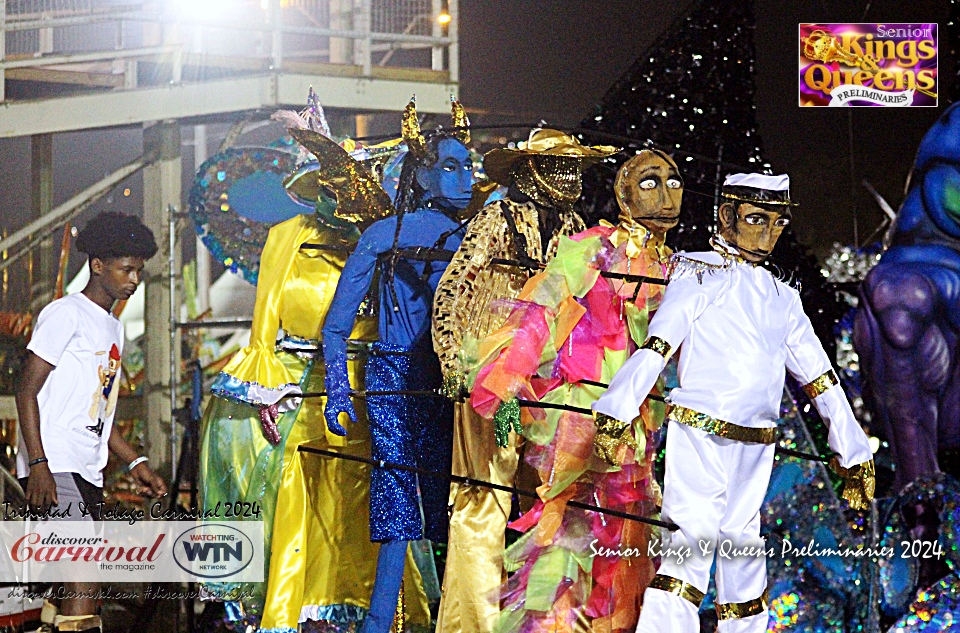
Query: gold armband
{"points": [[821, 383], [677, 587], [658, 345], [737, 610]]}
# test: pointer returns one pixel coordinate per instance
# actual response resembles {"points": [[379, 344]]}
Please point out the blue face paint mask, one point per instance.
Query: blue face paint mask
{"points": [[449, 182]]}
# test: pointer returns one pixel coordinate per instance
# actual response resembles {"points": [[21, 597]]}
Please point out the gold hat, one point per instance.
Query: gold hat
{"points": [[499, 163], [360, 197]]}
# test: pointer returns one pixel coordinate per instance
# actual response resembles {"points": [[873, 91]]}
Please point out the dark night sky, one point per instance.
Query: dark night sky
{"points": [[555, 60], [531, 59]]}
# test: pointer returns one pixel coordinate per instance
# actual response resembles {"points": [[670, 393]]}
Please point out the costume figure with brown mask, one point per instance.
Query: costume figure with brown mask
{"points": [[543, 178], [570, 329], [739, 330]]}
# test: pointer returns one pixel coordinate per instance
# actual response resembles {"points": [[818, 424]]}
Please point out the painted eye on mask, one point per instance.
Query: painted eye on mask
{"points": [[674, 183], [450, 165], [782, 222], [756, 220], [648, 183]]}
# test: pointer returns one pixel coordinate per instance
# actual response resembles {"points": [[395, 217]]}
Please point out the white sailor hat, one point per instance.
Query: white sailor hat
{"points": [[761, 189]]}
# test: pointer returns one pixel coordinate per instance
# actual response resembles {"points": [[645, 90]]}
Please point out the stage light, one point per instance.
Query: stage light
{"points": [[205, 10], [444, 18]]}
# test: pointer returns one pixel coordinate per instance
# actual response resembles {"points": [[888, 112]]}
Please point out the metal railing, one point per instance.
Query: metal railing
{"points": [[122, 45]]}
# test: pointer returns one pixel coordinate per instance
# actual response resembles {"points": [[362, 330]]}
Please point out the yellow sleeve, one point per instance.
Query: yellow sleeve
{"points": [[255, 375]]}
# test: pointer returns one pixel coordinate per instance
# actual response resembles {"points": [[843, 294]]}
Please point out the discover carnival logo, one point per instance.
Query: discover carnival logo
{"points": [[142, 551], [868, 65], [213, 551]]}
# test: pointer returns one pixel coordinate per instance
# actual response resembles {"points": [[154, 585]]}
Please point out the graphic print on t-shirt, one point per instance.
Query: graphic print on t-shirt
{"points": [[105, 398]]}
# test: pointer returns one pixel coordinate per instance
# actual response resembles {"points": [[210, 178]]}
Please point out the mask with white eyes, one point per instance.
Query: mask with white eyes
{"points": [[649, 190]]}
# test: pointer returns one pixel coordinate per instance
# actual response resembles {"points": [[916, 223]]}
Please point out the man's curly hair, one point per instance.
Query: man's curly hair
{"points": [[111, 235]]}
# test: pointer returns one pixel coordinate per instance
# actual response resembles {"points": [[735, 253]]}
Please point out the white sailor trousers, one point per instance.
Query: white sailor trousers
{"points": [[713, 489]]}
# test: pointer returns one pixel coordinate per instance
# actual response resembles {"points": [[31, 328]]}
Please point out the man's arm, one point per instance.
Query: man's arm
{"points": [[809, 364], [41, 488], [150, 483]]}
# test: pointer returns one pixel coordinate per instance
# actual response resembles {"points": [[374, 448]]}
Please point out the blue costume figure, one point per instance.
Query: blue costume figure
{"points": [[435, 185], [908, 327]]}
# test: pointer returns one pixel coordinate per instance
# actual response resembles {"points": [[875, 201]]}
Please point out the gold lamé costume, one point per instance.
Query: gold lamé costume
{"points": [[319, 561], [474, 565], [544, 172]]}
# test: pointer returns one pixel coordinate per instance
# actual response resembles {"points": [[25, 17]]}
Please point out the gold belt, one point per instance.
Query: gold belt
{"points": [[728, 430]]}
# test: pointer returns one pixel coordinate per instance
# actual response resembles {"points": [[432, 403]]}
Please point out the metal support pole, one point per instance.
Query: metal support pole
{"points": [[339, 54], [162, 187], [3, 47], [173, 333], [203, 255], [436, 29], [453, 49], [276, 40], [41, 175], [362, 46]]}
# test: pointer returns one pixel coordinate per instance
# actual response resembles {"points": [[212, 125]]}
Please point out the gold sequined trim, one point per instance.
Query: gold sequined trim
{"points": [[611, 435], [859, 482], [782, 203], [658, 345], [678, 588], [820, 384], [736, 610], [723, 429]]}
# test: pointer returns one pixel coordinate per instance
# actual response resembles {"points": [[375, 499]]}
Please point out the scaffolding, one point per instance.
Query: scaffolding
{"points": [[118, 62]]}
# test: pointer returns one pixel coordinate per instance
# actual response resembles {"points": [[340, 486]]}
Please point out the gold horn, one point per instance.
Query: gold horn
{"points": [[460, 119], [410, 129]]}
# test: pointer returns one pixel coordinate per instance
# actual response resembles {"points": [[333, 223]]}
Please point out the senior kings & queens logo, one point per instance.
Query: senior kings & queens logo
{"points": [[868, 65]]}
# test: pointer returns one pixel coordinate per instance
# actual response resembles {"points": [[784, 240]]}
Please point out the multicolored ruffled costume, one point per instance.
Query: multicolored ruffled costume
{"points": [[320, 563], [478, 519], [570, 325]]}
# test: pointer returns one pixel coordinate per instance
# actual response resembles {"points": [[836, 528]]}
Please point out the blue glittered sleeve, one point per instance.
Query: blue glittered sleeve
{"points": [[351, 289]]}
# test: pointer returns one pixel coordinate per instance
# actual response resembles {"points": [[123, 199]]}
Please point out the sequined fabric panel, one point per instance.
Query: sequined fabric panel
{"points": [[413, 431], [471, 283]]}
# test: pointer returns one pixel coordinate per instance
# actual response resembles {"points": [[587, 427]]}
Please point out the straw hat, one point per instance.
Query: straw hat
{"points": [[499, 163]]}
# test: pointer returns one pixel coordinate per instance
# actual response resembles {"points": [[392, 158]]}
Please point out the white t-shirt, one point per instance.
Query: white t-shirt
{"points": [[77, 402]]}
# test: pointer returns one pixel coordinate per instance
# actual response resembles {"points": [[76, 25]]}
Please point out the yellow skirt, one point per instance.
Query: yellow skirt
{"points": [[319, 561]]}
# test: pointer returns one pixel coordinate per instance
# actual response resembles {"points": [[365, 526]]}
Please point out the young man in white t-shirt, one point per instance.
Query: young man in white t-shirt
{"points": [[68, 392]]}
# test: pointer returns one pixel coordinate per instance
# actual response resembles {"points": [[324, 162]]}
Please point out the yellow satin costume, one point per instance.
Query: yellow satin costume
{"points": [[319, 561]]}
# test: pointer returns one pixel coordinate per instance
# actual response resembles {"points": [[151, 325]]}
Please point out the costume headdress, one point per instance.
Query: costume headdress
{"points": [[349, 171], [499, 163], [460, 119], [360, 197], [759, 189], [410, 129], [410, 126]]}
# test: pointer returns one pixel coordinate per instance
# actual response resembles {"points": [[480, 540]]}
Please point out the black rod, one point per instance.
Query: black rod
{"points": [[485, 484]]}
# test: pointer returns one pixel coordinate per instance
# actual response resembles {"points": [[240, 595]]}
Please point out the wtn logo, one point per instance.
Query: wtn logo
{"points": [[221, 551], [213, 550]]}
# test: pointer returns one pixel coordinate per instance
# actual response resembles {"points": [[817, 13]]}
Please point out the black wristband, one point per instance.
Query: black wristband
{"points": [[39, 460]]}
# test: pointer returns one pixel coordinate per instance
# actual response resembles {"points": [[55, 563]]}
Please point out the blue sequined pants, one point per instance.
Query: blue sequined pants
{"points": [[413, 431]]}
